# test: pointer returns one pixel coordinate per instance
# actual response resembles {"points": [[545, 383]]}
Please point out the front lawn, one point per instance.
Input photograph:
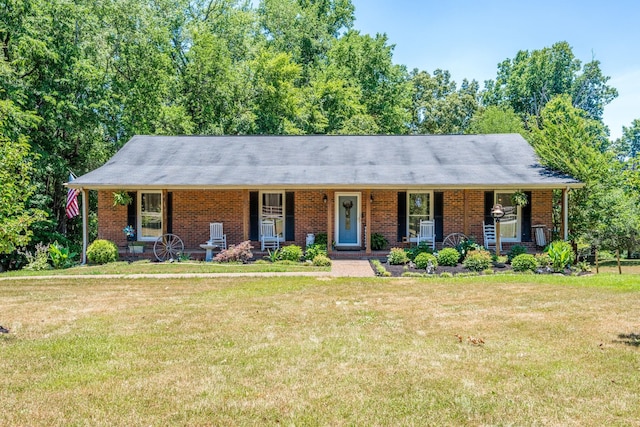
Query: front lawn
{"points": [[146, 267], [488, 350]]}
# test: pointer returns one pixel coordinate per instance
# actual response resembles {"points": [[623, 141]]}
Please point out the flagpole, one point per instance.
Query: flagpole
{"points": [[85, 224]]}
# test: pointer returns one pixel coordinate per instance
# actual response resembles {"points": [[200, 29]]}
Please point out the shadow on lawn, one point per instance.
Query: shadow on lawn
{"points": [[629, 339]]}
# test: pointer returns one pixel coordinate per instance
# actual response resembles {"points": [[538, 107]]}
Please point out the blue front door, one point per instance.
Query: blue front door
{"points": [[348, 216]]}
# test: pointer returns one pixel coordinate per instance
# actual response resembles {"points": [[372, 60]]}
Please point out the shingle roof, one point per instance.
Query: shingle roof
{"points": [[324, 161]]}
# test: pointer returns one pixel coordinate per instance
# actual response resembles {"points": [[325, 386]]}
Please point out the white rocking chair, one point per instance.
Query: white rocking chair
{"points": [[268, 237], [427, 233], [216, 235], [489, 234]]}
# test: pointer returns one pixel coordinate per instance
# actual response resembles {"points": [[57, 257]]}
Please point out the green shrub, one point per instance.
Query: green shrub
{"points": [[543, 260], [561, 255], [378, 242], [421, 248], [379, 268], [321, 261], [515, 251], [397, 256], [422, 261], [314, 250], [321, 239], [446, 274], [448, 257], [60, 256], [477, 260], [291, 253], [102, 251], [524, 262], [466, 246]]}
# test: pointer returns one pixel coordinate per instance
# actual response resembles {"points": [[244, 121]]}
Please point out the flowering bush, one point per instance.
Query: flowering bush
{"points": [[236, 253], [397, 256]]}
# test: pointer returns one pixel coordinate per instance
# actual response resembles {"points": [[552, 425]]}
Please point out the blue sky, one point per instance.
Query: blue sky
{"points": [[469, 38]]}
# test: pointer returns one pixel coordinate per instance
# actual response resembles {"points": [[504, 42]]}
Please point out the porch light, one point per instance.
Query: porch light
{"points": [[324, 199], [371, 197]]}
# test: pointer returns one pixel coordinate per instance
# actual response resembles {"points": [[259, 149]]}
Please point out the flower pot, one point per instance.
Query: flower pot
{"points": [[136, 249]]}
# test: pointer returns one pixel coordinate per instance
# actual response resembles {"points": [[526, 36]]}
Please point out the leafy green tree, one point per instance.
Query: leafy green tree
{"points": [[496, 119], [531, 79], [628, 145], [366, 63], [16, 188], [438, 106], [568, 141]]}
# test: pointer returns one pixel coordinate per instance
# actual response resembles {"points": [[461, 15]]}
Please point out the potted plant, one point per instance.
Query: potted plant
{"points": [[519, 198], [122, 198]]}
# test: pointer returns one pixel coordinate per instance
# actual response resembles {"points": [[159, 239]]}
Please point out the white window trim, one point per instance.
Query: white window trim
{"points": [[518, 237], [139, 216], [284, 210], [409, 193]]}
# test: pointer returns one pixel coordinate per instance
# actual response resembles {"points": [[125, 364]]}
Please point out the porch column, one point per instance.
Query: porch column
{"points": [[565, 213], [329, 222], [245, 215], [367, 196], [85, 224]]}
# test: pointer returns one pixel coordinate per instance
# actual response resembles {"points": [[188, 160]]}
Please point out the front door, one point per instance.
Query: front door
{"points": [[348, 219]]}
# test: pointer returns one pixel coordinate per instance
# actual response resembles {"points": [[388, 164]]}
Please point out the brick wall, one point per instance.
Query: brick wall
{"points": [[193, 210]]}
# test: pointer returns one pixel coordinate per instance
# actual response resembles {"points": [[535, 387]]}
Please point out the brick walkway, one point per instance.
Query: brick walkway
{"points": [[351, 268]]}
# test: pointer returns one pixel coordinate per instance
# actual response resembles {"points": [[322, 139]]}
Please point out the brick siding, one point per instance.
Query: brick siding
{"points": [[193, 210]]}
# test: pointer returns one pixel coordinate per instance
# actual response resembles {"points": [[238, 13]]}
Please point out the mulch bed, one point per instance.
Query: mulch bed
{"points": [[398, 270]]}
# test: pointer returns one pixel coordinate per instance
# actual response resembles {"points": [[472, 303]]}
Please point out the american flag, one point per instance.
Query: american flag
{"points": [[72, 200]]}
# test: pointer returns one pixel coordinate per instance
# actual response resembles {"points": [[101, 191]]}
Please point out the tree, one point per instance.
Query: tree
{"points": [[366, 64], [628, 145], [496, 119], [568, 141], [16, 216], [531, 79], [438, 107]]}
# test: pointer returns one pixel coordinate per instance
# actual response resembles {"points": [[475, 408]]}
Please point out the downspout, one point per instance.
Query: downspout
{"points": [[85, 224]]}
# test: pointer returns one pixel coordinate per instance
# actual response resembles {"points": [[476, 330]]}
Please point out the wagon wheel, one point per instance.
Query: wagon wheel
{"points": [[453, 240], [168, 247]]}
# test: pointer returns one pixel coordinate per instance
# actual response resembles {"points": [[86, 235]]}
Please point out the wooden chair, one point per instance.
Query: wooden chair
{"points": [[268, 237], [217, 236], [489, 235], [427, 233]]}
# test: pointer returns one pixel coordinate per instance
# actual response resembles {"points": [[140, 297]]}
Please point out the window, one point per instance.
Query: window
{"points": [[510, 223], [273, 208], [150, 215], [419, 208]]}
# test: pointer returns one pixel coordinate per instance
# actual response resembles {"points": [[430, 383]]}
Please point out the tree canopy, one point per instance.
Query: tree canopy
{"points": [[78, 79]]}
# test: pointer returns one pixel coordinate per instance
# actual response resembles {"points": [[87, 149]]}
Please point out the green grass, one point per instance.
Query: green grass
{"points": [[321, 351], [146, 267]]}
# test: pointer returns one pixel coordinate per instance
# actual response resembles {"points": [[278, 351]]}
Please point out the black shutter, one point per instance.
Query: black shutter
{"points": [[132, 211], [438, 215], [254, 203], [169, 212], [488, 205], [525, 235], [289, 220], [402, 215]]}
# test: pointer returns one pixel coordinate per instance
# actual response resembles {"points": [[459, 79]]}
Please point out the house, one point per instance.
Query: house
{"points": [[345, 186]]}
